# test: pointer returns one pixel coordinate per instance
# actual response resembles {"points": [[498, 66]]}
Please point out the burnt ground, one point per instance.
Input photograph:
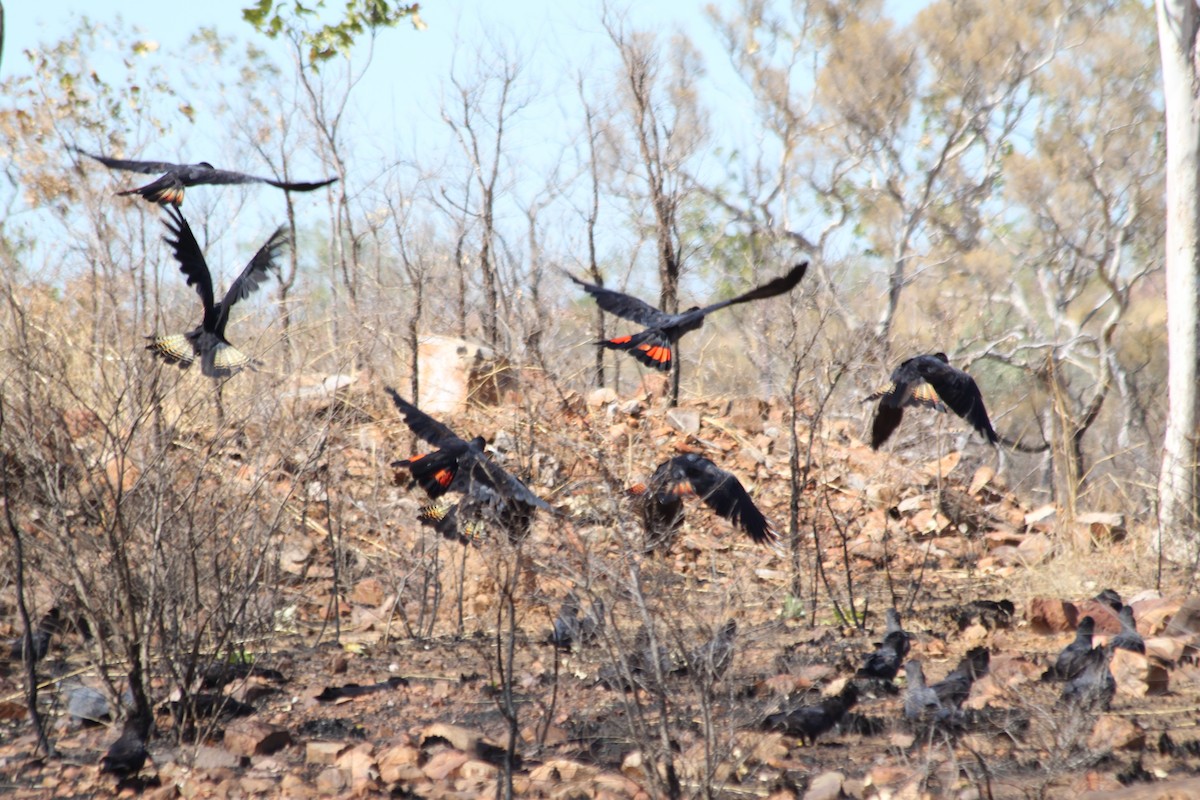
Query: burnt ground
{"points": [[408, 681]]}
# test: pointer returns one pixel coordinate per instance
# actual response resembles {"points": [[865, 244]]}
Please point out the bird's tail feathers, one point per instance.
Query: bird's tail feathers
{"points": [[173, 348]]}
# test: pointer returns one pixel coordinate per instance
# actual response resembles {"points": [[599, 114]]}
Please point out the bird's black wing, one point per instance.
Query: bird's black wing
{"points": [[958, 390], [225, 176], [255, 272], [484, 470], [778, 286], [423, 425], [190, 256], [625, 306], [147, 167], [724, 493]]}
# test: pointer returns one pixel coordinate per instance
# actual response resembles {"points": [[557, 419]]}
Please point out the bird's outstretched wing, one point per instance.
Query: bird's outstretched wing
{"points": [[423, 425], [147, 167], [625, 306], [720, 490], [190, 256], [959, 391], [255, 272], [225, 176], [777, 286]]}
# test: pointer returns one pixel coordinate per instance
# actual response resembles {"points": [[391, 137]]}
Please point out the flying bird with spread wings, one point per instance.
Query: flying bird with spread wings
{"points": [[218, 358], [490, 494], [661, 500], [655, 345], [950, 385], [167, 189]]}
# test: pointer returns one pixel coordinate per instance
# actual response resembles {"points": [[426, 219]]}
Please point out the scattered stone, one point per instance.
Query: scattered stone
{"points": [[360, 762], [253, 737], [210, 758], [685, 420], [1154, 616], [368, 592], [601, 397], [1116, 733], [324, 753], [1050, 615], [1137, 675], [333, 781], [826, 786], [444, 764]]}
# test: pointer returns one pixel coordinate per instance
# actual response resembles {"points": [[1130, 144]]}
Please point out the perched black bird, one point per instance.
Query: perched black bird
{"points": [[711, 659], [955, 387], [168, 188], [127, 755], [956, 686], [690, 474], [218, 358], [1128, 638], [1073, 658], [809, 722], [885, 661], [1094, 687], [490, 495], [1110, 598], [655, 345], [920, 701]]}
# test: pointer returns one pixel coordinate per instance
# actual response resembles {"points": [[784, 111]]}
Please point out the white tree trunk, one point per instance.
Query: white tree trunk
{"points": [[1178, 23]]}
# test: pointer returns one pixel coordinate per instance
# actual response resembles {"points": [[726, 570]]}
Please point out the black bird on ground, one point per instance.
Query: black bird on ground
{"points": [[1128, 638], [956, 388], [809, 722], [920, 701], [490, 494], [1094, 687], [127, 755], [956, 686], [661, 500], [1110, 598], [884, 663], [218, 358], [655, 345], [1073, 658], [168, 188]]}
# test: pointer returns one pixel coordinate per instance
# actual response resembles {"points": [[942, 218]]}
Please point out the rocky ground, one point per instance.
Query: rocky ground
{"points": [[409, 682]]}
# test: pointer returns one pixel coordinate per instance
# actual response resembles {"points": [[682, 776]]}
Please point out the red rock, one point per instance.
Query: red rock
{"points": [[1116, 733], [1186, 620], [1137, 675], [1166, 648], [1051, 615], [324, 753], [1153, 616], [368, 592], [444, 764], [399, 763], [1107, 621], [253, 737]]}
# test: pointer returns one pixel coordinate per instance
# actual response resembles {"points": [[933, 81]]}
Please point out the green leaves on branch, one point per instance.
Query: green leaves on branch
{"points": [[325, 39]]}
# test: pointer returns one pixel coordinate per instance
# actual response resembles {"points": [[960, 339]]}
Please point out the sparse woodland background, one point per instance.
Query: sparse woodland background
{"points": [[982, 178]]}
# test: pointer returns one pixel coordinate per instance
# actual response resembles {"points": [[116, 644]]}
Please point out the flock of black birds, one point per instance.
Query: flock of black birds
{"points": [[489, 497]]}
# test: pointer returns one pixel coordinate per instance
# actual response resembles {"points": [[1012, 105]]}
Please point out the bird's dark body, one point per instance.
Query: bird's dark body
{"points": [[954, 387], [655, 345]]}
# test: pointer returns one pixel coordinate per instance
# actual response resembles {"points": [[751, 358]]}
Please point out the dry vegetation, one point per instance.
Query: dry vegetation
{"points": [[237, 561]]}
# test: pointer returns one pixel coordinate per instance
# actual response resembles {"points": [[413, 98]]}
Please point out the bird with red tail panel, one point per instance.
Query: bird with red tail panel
{"points": [[218, 358], [954, 387], [689, 474], [654, 346], [168, 188], [490, 495]]}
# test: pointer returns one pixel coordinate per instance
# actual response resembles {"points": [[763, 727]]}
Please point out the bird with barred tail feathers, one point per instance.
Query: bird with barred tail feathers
{"points": [[168, 188], [218, 358], [654, 346], [951, 385], [661, 500], [490, 495]]}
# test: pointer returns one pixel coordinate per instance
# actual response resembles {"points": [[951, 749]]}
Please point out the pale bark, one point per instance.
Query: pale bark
{"points": [[1178, 24]]}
